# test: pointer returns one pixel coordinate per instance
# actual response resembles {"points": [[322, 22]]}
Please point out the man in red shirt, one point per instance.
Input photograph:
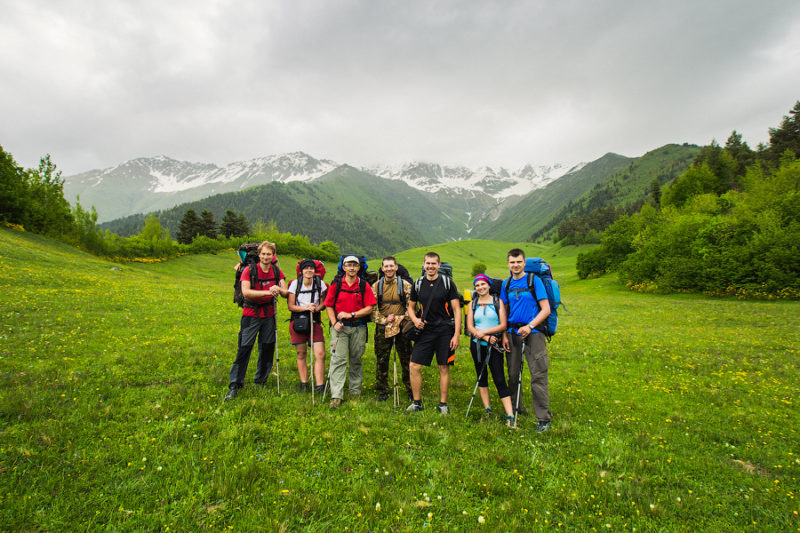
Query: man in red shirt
{"points": [[349, 303], [258, 319]]}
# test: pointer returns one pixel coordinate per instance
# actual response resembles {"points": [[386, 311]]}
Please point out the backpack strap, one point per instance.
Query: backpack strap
{"points": [[253, 280], [362, 287], [400, 292]]}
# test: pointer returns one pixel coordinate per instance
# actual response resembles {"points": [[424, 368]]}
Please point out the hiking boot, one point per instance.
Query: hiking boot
{"points": [[413, 407], [487, 413], [232, 392], [335, 403], [443, 409], [319, 389], [304, 386], [383, 396], [543, 426], [510, 422]]}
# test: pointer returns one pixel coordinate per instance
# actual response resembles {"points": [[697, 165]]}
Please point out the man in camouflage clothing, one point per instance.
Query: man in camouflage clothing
{"points": [[388, 316]]}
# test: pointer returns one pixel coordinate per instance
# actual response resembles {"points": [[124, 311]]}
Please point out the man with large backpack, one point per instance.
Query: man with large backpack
{"points": [[349, 304], [392, 294], [528, 308], [438, 326], [260, 290]]}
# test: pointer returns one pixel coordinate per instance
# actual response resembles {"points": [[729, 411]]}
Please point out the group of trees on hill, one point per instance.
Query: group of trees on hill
{"points": [[730, 224], [583, 221], [33, 200], [193, 226]]}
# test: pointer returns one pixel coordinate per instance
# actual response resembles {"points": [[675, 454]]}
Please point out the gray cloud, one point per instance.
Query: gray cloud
{"points": [[96, 83]]}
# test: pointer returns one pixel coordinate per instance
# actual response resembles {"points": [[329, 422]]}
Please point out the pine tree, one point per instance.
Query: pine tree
{"points": [[786, 136], [742, 154], [208, 226], [655, 193], [234, 225], [189, 227]]}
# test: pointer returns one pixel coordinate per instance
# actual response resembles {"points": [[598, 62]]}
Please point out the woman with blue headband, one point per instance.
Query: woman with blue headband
{"points": [[486, 323]]}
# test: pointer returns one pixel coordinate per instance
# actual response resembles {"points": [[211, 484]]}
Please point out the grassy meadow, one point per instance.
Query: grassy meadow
{"points": [[672, 413]]}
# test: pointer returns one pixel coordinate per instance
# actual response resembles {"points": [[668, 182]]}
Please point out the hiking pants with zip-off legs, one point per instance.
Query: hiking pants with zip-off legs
{"points": [[347, 345], [537, 362]]}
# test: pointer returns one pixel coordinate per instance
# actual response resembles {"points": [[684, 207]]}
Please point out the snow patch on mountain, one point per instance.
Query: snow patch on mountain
{"points": [[499, 183]]}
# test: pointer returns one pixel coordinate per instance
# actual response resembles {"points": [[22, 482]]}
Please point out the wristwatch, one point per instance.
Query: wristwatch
{"points": [[352, 316]]}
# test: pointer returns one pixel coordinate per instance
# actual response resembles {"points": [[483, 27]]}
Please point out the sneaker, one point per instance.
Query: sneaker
{"points": [[413, 407], [543, 426], [336, 403], [304, 386], [319, 389], [232, 392], [382, 397], [443, 409], [510, 422], [487, 413]]}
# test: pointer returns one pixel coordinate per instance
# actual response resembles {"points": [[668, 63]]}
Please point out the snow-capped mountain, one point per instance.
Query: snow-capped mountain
{"points": [[499, 183], [149, 184]]}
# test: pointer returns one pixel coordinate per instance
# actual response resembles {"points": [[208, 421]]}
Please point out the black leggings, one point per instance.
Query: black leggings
{"points": [[496, 367]]}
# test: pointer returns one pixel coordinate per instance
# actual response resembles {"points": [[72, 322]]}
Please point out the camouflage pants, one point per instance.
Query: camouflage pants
{"points": [[383, 354]]}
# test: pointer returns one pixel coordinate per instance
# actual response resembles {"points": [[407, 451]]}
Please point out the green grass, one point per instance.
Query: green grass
{"points": [[671, 413]]}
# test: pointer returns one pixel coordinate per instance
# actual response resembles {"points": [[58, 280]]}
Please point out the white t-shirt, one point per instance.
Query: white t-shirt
{"points": [[303, 297]]}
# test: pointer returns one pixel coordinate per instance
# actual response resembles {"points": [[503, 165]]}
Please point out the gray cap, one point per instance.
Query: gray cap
{"points": [[351, 259]]}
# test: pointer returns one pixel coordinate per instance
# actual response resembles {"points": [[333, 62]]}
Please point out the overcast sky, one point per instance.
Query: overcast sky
{"points": [[95, 83]]}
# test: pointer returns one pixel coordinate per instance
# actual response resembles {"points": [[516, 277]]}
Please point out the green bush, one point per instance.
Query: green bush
{"points": [[478, 268]]}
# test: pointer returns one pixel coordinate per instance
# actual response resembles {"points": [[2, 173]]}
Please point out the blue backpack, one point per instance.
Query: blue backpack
{"points": [[536, 266]]}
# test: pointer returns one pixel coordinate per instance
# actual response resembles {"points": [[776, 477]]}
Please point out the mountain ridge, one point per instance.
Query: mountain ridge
{"points": [[146, 184]]}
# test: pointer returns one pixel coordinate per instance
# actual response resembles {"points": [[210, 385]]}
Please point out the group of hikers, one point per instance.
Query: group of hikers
{"points": [[417, 320]]}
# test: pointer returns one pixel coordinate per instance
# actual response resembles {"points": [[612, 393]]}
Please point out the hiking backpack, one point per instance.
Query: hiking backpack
{"points": [[316, 284], [536, 266], [248, 255], [446, 273], [402, 273], [494, 289], [400, 292], [363, 280]]}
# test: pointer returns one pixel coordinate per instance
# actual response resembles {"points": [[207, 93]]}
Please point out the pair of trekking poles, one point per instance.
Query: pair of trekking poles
{"points": [[483, 369]]}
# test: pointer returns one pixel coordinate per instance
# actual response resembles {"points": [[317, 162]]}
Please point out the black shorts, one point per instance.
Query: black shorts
{"points": [[434, 340]]}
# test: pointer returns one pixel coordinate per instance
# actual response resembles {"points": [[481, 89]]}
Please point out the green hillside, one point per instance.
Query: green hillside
{"points": [[612, 180], [629, 186], [535, 209], [358, 211]]}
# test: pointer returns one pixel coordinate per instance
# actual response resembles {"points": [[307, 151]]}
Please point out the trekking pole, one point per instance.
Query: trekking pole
{"points": [[328, 378], [396, 396], [277, 352], [311, 370], [485, 363], [519, 381]]}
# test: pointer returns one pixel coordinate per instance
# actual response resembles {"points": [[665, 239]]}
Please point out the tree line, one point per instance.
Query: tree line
{"points": [[33, 200], [730, 224]]}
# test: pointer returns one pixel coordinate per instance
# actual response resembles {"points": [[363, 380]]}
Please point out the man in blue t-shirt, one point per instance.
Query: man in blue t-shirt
{"points": [[525, 314]]}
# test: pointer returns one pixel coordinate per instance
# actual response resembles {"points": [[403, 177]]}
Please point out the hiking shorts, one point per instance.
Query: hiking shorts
{"points": [[304, 338], [436, 340]]}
